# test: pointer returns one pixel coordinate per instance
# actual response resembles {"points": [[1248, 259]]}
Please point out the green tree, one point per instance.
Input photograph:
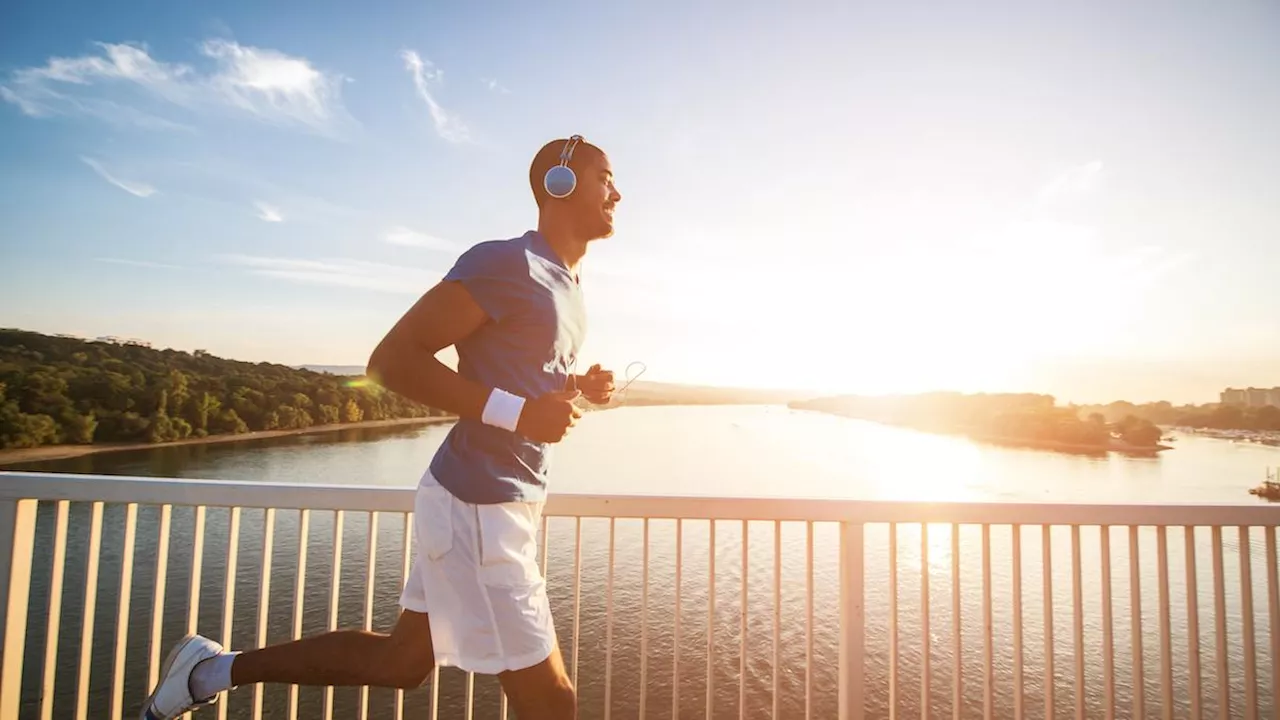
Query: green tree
{"points": [[328, 414], [351, 411], [1138, 431]]}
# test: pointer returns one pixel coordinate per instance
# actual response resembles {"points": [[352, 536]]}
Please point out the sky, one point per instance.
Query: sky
{"points": [[1075, 198]]}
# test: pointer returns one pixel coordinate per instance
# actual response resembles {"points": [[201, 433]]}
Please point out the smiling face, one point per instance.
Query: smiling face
{"points": [[595, 197]]}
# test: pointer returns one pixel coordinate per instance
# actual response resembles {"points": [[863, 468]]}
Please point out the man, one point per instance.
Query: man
{"points": [[476, 598]]}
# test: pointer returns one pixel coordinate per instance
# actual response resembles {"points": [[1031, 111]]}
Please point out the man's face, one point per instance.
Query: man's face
{"points": [[595, 196]]}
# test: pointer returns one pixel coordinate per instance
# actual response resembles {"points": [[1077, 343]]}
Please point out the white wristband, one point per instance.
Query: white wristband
{"points": [[502, 410]]}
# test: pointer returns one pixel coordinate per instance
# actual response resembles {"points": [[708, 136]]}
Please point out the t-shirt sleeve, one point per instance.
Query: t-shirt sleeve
{"points": [[495, 276]]}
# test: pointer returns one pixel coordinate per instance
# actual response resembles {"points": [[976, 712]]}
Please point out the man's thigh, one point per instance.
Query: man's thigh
{"points": [[541, 692]]}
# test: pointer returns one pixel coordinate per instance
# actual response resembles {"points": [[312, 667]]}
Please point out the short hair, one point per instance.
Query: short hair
{"points": [[548, 157]]}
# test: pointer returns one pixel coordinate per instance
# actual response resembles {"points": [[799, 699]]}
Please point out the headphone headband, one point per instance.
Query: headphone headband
{"points": [[567, 153]]}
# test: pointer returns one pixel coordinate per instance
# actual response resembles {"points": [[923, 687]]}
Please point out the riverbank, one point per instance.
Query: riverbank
{"points": [[62, 452], [1010, 441], [1114, 445]]}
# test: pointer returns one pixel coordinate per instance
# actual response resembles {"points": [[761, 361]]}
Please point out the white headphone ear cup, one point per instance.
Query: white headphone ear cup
{"points": [[560, 182]]}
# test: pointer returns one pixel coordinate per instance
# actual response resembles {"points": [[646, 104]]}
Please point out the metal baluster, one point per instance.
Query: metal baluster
{"points": [[742, 631], [1166, 648], [1108, 641], [1135, 635], [1193, 623], [926, 707], [1248, 638], [122, 613], [1046, 559], [1220, 622], [1017, 623], [264, 596], [644, 624], [1077, 607], [300, 584], [988, 627], [370, 586], [229, 596], [90, 607], [777, 619], [334, 586], [55, 610]]}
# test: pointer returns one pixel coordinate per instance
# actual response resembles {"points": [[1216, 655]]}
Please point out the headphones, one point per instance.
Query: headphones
{"points": [[560, 180]]}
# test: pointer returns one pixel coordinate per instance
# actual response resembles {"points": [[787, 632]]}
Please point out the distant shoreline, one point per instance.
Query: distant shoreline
{"points": [[63, 452], [1011, 441]]}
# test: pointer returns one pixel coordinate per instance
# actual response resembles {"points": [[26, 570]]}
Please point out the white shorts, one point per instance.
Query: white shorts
{"points": [[475, 573]]}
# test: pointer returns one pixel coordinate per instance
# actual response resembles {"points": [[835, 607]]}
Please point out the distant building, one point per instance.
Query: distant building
{"points": [[1250, 397]]}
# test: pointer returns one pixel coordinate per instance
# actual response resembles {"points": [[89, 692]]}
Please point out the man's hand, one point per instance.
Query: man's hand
{"points": [[596, 385], [548, 418]]}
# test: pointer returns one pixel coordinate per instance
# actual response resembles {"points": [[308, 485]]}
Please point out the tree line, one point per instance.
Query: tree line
{"points": [[65, 390], [1031, 417], [1214, 416]]}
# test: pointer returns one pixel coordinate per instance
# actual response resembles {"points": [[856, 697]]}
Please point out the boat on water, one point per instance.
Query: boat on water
{"points": [[1270, 488]]}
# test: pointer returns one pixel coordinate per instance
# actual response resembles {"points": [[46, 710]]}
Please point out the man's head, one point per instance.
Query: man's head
{"points": [[588, 210]]}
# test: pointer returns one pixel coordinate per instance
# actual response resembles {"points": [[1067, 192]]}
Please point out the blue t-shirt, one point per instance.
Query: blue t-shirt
{"points": [[537, 323]]}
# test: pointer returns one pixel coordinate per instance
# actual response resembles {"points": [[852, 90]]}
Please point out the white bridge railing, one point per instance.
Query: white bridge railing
{"points": [[666, 606]]}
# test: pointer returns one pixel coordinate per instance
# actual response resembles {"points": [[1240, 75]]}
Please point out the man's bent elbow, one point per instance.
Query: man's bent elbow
{"points": [[381, 367]]}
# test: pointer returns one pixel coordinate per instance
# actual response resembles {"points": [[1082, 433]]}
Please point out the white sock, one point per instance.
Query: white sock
{"points": [[211, 676]]}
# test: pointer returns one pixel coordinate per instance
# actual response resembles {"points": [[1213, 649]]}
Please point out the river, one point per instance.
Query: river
{"points": [[738, 451]]}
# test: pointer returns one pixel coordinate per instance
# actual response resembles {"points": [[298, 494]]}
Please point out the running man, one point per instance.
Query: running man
{"points": [[476, 598]]}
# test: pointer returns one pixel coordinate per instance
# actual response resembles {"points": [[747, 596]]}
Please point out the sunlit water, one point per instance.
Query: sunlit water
{"points": [[719, 451]]}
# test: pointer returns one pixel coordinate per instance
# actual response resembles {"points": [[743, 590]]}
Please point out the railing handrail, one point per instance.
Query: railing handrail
{"points": [[249, 494]]}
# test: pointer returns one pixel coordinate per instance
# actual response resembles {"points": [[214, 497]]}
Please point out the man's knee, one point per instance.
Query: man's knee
{"points": [[562, 700], [407, 667], [408, 676], [408, 658], [544, 692]]}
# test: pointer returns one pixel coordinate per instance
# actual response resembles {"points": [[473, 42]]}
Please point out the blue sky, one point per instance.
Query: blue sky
{"points": [[1081, 199]]}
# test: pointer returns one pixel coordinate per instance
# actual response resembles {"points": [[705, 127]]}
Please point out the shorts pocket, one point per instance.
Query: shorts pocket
{"points": [[508, 545], [433, 507]]}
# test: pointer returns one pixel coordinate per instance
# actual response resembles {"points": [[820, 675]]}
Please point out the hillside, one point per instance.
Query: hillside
{"points": [[64, 390]]}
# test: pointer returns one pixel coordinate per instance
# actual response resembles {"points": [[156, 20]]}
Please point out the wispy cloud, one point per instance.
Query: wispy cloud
{"points": [[1071, 184], [409, 237], [495, 86], [264, 84], [273, 86], [138, 263], [268, 213], [448, 125], [342, 272], [28, 106], [138, 189]]}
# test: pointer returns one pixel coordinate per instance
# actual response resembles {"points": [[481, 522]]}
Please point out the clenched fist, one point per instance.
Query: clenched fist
{"points": [[597, 385], [549, 417]]}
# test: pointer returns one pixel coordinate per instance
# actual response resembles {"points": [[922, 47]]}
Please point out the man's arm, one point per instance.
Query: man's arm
{"points": [[405, 361]]}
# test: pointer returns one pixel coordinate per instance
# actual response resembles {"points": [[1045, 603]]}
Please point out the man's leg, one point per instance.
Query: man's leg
{"points": [[403, 659], [541, 692], [197, 668]]}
